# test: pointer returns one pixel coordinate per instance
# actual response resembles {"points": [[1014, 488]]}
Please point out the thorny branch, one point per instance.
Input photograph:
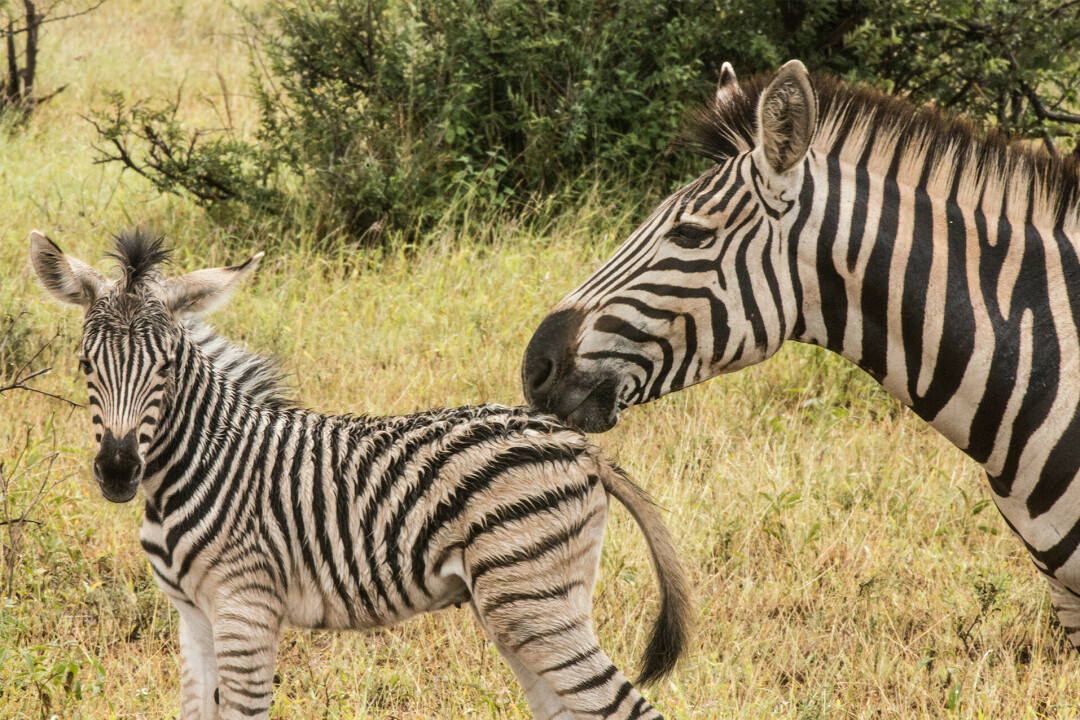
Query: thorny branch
{"points": [[22, 373], [12, 518]]}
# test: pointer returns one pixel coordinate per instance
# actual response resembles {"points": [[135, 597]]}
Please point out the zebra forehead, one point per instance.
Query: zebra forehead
{"points": [[852, 117], [129, 311]]}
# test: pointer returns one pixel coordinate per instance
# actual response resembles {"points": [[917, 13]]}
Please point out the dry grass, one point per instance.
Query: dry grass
{"points": [[846, 562]]}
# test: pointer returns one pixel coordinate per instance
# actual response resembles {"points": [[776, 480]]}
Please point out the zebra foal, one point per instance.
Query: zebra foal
{"points": [[259, 514]]}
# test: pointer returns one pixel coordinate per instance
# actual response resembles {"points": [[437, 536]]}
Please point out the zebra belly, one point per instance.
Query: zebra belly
{"points": [[315, 603]]}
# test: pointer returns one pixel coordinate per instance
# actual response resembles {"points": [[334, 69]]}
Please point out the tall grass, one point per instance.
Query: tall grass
{"points": [[846, 562]]}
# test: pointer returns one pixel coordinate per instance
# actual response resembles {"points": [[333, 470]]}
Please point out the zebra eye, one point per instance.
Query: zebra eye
{"points": [[84, 365], [690, 236], [165, 366]]}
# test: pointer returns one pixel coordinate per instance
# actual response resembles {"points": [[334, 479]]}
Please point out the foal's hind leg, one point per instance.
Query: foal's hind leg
{"points": [[562, 683], [544, 703], [534, 600]]}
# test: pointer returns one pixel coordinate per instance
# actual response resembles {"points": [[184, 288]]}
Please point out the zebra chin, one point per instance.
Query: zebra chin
{"points": [[119, 490]]}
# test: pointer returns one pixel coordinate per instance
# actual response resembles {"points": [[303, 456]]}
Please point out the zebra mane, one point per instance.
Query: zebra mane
{"points": [[140, 254], [259, 376], [856, 120]]}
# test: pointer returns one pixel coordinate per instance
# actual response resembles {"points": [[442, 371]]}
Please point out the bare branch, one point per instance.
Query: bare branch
{"points": [[45, 18], [1036, 102], [22, 372]]}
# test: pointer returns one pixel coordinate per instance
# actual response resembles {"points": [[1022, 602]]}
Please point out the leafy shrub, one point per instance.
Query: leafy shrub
{"points": [[388, 114]]}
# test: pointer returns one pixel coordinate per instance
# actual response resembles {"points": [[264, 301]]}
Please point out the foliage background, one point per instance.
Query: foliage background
{"points": [[385, 116], [848, 561]]}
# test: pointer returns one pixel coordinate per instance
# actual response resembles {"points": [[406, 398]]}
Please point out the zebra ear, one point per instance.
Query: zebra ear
{"points": [[728, 84], [68, 279], [203, 290], [787, 117]]}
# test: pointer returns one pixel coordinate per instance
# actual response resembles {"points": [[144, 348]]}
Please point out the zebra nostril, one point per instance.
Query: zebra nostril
{"points": [[117, 459], [537, 376], [554, 340]]}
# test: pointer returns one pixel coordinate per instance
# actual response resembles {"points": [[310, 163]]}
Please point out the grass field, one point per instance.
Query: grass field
{"points": [[846, 559]]}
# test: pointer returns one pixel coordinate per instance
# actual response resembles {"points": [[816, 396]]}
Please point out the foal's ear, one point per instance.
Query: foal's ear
{"points": [[67, 279], [203, 290], [787, 117]]}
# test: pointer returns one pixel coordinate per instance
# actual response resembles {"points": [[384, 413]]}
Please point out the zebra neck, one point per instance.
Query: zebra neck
{"points": [[966, 314], [201, 423]]}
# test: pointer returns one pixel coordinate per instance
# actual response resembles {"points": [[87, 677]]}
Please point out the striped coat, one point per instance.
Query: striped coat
{"points": [[260, 514], [943, 261]]}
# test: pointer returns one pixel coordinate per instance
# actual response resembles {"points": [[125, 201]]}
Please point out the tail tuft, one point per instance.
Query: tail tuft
{"points": [[671, 633]]}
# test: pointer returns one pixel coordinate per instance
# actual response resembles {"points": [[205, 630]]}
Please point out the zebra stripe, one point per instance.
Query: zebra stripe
{"points": [[261, 514], [943, 263]]}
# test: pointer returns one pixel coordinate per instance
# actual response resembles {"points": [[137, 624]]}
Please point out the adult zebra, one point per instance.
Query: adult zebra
{"points": [[943, 262]]}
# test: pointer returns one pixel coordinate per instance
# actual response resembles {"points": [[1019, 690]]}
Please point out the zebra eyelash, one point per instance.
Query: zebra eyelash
{"points": [[690, 236], [84, 365]]}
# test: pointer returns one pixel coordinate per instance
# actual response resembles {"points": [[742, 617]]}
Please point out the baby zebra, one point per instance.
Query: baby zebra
{"points": [[259, 514]]}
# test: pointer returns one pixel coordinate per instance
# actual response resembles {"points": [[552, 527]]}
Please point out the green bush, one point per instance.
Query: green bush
{"points": [[390, 115]]}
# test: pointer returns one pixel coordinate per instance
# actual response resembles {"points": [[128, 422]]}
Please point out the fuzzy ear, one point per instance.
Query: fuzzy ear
{"points": [[68, 279], [787, 117], [728, 84], [203, 290]]}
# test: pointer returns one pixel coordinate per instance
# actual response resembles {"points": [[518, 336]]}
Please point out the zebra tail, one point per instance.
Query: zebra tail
{"points": [[671, 633]]}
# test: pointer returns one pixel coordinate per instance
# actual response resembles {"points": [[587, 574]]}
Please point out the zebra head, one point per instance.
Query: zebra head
{"points": [[131, 325], [703, 287]]}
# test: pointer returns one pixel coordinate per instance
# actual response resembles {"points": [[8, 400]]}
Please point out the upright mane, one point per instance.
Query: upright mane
{"points": [[140, 255], [857, 121]]}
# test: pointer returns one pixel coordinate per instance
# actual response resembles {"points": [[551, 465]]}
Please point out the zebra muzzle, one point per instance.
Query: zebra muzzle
{"points": [[118, 467]]}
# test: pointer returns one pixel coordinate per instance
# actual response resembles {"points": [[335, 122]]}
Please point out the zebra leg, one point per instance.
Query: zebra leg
{"points": [[198, 665], [1067, 605], [246, 641], [544, 703], [564, 672], [535, 602]]}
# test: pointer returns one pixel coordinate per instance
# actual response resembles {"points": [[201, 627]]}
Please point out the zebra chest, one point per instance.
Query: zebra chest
{"points": [[172, 561]]}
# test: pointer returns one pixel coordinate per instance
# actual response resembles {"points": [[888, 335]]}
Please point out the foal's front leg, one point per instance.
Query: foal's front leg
{"points": [[198, 665], [245, 640]]}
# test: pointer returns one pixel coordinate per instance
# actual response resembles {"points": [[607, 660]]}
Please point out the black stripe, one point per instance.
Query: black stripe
{"points": [[611, 707], [834, 305], [593, 682], [561, 591], [573, 624], [958, 331], [876, 286], [482, 567], [579, 658], [467, 487]]}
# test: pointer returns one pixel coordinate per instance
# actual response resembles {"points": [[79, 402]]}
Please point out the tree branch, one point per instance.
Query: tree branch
{"points": [[1036, 102]]}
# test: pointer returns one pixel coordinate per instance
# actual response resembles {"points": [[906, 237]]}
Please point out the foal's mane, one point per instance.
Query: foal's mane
{"points": [[856, 121]]}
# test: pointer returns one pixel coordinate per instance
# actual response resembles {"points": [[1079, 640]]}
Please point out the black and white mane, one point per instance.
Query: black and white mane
{"points": [[857, 122]]}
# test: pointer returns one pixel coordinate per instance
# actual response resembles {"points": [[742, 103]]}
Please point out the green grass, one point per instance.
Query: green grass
{"points": [[846, 562]]}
